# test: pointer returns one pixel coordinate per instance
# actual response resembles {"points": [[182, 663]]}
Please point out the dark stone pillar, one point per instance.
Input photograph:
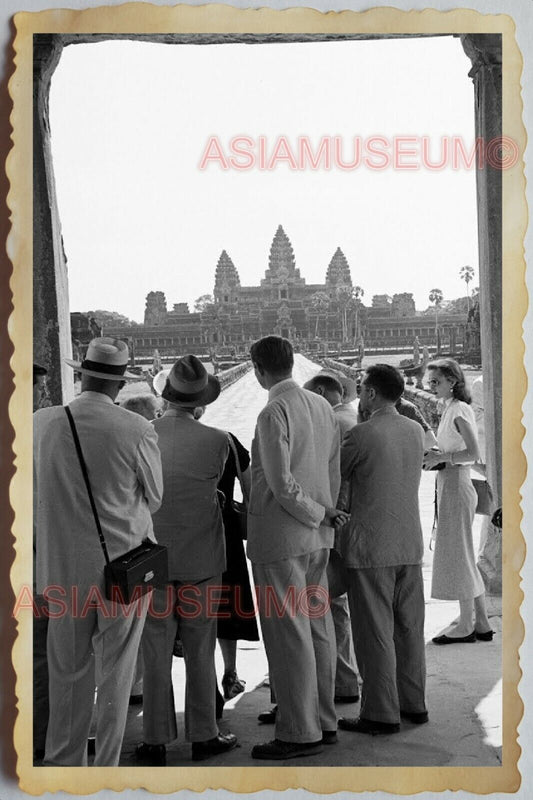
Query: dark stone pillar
{"points": [[51, 323], [485, 52]]}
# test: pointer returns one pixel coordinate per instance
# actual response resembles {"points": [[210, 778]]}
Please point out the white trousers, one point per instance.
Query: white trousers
{"points": [[300, 644], [94, 648]]}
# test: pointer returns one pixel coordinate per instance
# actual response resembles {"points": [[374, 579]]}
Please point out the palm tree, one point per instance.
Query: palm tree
{"points": [[466, 274], [436, 297], [320, 304], [343, 295]]}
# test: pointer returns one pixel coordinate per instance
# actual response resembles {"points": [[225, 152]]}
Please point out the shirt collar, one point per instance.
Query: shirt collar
{"points": [[97, 397], [178, 412], [383, 410], [282, 386], [339, 405]]}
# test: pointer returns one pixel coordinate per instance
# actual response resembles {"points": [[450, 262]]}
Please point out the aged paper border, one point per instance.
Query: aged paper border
{"points": [[143, 18]]}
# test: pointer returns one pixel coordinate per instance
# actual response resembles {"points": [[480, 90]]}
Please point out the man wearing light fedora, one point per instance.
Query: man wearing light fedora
{"points": [[91, 641], [189, 523]]}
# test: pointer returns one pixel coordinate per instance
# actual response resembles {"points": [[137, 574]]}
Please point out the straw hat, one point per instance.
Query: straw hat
{"points": [[160, 380], [189, 384], [106, 358]]}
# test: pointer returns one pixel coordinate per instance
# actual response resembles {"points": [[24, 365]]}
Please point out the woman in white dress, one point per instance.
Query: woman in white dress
{"points": [[455, 574]]}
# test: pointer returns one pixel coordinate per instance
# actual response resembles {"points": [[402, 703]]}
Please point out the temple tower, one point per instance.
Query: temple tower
{"points": [[227, 281], [338, 273], [281, 273], [155, 311]]}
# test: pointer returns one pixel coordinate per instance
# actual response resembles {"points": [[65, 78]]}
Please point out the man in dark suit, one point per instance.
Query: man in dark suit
{"points": [[382, 549]]}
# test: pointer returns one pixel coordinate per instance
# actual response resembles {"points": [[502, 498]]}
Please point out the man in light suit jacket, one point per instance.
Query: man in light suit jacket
{"points": [[295, 482], [91, 640], [189, 523], [382, 548]]}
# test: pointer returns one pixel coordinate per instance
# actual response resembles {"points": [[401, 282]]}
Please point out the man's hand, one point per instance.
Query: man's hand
{"points": [[336, 517]]}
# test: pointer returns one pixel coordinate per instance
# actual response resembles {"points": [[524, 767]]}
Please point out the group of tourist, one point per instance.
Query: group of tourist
{"points": [[333, 521]]}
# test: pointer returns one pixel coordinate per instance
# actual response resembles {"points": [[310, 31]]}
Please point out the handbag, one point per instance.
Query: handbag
{"points": [[240, 510], [484, 497], [136, 572]]}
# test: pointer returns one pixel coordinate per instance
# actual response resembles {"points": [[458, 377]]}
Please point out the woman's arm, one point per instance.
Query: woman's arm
{"points": [[471, 453], [470, 439]]}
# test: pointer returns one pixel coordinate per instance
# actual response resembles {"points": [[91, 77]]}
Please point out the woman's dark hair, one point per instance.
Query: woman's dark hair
{"points": [[386, 380], [274, 354], [451, 370]]}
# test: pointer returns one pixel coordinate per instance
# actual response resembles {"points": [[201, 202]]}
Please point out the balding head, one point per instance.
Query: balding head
{"points": [[327, 386]]}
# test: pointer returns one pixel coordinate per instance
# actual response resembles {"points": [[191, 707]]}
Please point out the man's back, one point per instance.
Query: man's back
{"points": [[382, 459], [189, 521], [295, 474], [346, 416], [120, 450]]}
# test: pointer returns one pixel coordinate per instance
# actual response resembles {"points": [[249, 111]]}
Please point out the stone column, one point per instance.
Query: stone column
{"points": [[485, 52], [51, 321]]}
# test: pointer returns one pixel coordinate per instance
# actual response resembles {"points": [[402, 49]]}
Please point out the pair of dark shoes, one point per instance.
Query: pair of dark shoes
{"points": [[155, 755], [278, 750], [444, 639], [369, 726], [151, 755], [268, 717], [232, 685], [485, 636], [213, 747], [416, 717]]}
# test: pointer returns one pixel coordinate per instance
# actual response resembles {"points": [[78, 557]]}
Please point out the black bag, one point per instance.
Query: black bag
{"points": [[484, 497], [240, 510], [136, 572]]}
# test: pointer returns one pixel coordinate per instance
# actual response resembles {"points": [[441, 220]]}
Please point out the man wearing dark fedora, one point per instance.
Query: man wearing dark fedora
{"points": [[189, 523], [91, 641]]}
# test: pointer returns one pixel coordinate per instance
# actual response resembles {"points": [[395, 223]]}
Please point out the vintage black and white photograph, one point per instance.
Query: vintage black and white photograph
{"points": [[267, 395]]}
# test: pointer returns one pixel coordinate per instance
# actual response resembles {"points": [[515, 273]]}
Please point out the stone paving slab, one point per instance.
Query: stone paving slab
{"points": [[463, 683]]}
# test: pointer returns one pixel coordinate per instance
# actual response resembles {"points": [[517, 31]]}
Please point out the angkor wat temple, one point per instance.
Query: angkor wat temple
{"points": [[316, 317]]}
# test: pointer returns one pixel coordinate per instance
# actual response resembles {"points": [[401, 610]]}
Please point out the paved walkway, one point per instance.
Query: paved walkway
{"points": [[463, 686]]}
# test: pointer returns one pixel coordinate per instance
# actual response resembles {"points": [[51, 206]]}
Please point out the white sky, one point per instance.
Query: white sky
{"points": [[130, 122]]}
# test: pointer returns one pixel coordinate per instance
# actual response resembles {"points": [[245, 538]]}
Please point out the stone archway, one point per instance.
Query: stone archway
{"points": [[52, 342]]}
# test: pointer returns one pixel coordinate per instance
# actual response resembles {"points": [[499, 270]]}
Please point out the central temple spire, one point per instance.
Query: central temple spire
{"points": [[281, 261]]}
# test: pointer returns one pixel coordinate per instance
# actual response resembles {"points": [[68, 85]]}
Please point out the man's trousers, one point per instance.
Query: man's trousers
{"points": [[300, 644], [190, 609], [388, 603], [346, 678], [87, 648]]}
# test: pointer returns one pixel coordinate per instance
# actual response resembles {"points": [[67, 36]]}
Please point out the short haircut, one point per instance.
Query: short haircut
{"points": [[328, 382], [387, 381], [145, 405], [273, 354]]}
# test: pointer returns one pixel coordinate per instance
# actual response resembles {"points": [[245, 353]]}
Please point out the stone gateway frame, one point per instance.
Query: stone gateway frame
{"points": [[36, 240]]}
